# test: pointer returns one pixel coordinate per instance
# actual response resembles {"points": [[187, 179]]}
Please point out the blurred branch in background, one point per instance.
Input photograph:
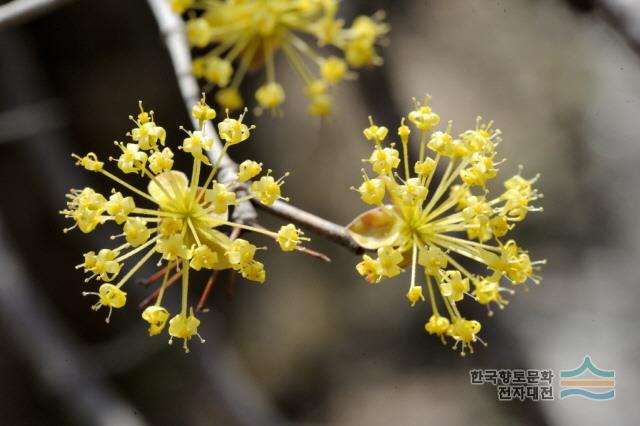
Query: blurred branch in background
{"points": [[622, 15], [58, 360], [30, 120], [172, 29], [20, 11]]}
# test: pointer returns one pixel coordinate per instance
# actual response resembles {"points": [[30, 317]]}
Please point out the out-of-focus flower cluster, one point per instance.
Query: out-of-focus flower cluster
{"points": [[417, 223], [184, 227], [237, 36]]}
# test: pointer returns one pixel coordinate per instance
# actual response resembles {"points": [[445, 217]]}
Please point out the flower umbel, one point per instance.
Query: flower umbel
{"points": [[184, 226], [239, 36], [418, 222]]}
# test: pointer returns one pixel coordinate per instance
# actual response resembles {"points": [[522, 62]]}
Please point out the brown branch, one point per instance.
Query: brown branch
{"points": [[333, 232], [17, 12]]}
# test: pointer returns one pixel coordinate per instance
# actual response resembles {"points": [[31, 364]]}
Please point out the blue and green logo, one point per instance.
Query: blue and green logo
{"points": [[588, 381]]}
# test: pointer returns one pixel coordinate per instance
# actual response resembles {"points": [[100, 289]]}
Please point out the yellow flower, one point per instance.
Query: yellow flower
{"points": [[289, 237], [132, 159], [240, 253], [415, 294], [270, 95], [203, 257], [184, 327], [242, 35], [437, 325], [196, 143], [161, 161], [136, 232], [234, 131], [454, 286], [388, 261], [157, 317], [384, 160], [488, 290], [368, 268], [268, 189], [110, 296], [464, 332], [177, 222], [253, 271], [372, 190], [202, 112], [248, 169], [120, 207], [442, 225], [229, 98]]}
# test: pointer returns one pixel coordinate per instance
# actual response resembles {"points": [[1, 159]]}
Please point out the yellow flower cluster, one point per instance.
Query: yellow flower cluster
{"points": [[418, 223], [243, 35], [183, 228]]}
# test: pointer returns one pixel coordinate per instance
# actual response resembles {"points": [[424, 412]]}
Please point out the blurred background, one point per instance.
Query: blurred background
{"points": [[316, 345]]}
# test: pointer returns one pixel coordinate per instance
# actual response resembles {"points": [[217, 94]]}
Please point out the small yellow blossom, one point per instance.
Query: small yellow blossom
{"points": [[110, 296], [368, 268], [147, 134], [388, 261], [198, 32], [372, 190], [202, 112], [424, 168], [157, 317], [234, 131], [333, 69], [177, 222], [229, 98], [196, 143], [215, 70], [120, 207], [487, 290], [239, 36], [132, 159], [248, 169], [415, 294], [240, 253], [419, 222], [161, 161], [437, 325], [90, 162], [136, 232], [375, 133], [220, 198], [270, 95], [254, 271], [384, 160], [267, 188], [433, 259], [203, 257], [86, 208], [454, 286], [464, 333], [289, 237], [104, 265], [424, 118], [184, 327]]}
